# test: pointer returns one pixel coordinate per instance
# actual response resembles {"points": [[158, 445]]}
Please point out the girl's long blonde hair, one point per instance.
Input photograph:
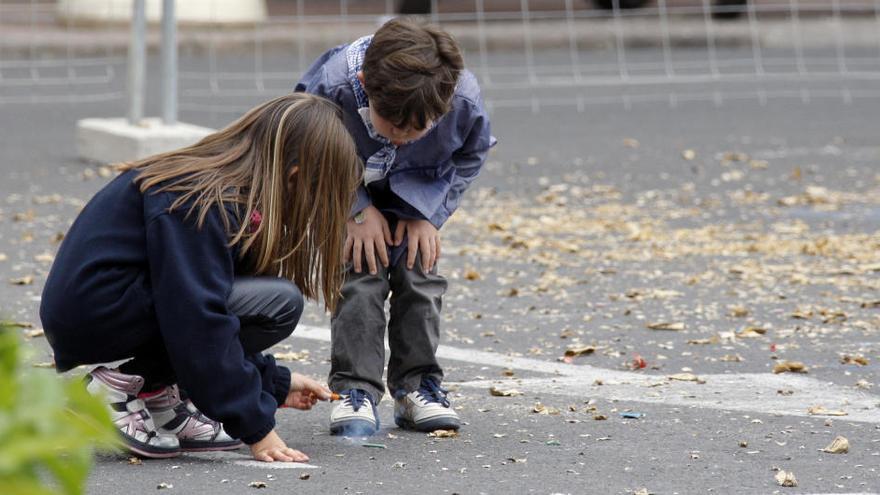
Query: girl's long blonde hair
{"points": [[248, 164]]}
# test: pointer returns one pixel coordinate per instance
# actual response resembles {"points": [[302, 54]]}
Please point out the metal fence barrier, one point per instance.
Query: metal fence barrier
{"points": [[526, 53]]}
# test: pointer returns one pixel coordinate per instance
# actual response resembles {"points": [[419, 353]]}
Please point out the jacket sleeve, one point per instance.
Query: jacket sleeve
{"points": [[467, 162], [314, 81], [192, 272]]}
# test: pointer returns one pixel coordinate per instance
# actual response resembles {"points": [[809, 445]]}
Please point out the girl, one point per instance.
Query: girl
{"points": [[191, 263]]}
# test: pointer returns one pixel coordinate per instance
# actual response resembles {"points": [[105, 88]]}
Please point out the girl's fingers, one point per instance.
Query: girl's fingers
{"points": [[296, 455], [280, 455], [263, 456]]}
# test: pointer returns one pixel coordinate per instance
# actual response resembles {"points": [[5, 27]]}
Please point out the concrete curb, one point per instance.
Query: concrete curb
{"points": [[50, 39]]}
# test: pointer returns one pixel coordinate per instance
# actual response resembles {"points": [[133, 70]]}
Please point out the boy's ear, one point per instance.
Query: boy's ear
{"points": [[360, 76]]}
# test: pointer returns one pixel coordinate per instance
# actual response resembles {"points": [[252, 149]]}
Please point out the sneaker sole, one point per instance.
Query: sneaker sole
{"points": [[191, 446], [353, 428], [429, 425], [145, 450]]}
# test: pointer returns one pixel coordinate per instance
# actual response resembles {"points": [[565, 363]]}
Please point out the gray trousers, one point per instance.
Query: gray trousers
{"points": [[358, 329]]}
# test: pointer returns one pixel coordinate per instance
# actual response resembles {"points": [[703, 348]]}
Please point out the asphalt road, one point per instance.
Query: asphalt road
{"points": [[588, 225]]}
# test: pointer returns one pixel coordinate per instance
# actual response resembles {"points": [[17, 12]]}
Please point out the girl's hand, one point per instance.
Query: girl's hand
{"points": [[368, 239], [423, 237], [272, 448], [305, 392]]}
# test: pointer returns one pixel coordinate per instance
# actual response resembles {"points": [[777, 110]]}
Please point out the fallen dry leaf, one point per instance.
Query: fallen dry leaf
{"points": [[631, 142], [44, 258], [751, 332], [802, 314], [497, 392], [685, 377], [638, 363], [583, 350], [164, 486], [822, 411], [471, 274], [785, 478], [840, 445], [739, 311], [789, 367], [864, 384], [25, 280], [734, 156], [292, 356], [688, 154], [443, 434], [135, 461], [32, 334], [542, 409], [257, 484], [859, 360], [305, 476], [19, 324], [666, 326]]}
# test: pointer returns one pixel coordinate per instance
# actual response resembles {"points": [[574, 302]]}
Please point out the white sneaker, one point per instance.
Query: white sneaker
{"points": [[426, 409], [132, 419], [196, 432], [354, 415]]}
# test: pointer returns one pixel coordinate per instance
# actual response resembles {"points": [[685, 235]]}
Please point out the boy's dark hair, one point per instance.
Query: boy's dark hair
{"points": [[410, 71]]}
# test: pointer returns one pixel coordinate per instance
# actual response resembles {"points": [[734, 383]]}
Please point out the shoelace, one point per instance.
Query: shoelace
{"points": [[432, 392], [355, 398], [193, 413]]}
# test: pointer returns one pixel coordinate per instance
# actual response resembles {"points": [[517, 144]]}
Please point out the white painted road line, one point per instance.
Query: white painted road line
{"points": [[240, 459], [747, 392]]}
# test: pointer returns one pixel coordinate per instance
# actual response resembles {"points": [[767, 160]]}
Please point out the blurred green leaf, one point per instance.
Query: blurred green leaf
{"points": [[48, 426]]}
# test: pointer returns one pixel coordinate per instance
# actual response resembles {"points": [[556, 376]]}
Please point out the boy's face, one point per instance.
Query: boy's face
{"points": [[398, 136]]}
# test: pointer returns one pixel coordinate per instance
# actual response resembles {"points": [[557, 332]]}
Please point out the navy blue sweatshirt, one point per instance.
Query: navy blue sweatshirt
{"points": [[128, 270]]}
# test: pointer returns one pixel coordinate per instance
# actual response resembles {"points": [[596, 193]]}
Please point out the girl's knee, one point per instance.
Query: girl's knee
{"points": [[290, 306]]}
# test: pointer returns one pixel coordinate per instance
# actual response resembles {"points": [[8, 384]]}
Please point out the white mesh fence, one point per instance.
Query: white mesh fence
{"points": [[531, 53], [45, 58]]}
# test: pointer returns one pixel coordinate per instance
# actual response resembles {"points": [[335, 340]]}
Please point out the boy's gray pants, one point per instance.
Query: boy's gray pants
{"points": [[358, 329]]}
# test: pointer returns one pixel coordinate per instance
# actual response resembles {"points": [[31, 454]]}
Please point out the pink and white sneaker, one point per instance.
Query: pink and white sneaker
{"points": [[195, 431], [130, 414]]}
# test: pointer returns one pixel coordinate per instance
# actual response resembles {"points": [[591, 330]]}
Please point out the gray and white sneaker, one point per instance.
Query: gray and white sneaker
{"points": [[130, 414], [195, 431], [355, 415], [426, 409]]}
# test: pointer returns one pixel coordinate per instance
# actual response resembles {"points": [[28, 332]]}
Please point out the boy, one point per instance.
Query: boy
{"points": [[420, 127]]}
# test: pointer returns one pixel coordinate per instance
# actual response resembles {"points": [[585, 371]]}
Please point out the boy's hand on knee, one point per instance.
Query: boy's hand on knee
{"points": [[272, 448], [368, 240], [423, 237], [305, 392]]}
